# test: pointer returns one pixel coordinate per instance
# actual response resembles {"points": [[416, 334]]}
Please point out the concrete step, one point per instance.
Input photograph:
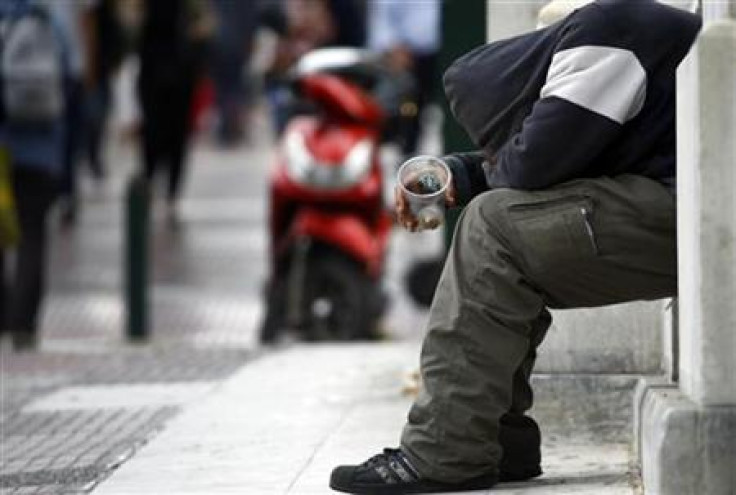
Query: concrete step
{"points": [[622, 338], [284, 421]]}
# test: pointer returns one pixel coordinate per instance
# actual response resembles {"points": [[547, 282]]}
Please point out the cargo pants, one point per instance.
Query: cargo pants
{"points": [[585, 243]]}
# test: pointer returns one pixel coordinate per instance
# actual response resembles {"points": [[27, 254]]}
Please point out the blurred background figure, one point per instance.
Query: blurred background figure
{"points": [[231, 47], [75, 19], [33, 68], [107, 49], [408, 33], [173, 44], [300, 26]]}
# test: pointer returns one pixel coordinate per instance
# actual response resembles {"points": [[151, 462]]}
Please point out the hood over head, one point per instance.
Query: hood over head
{"points": [[492, 89]]}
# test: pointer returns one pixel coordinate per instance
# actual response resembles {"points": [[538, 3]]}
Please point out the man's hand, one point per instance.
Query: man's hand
{"points": [[404, 214]]}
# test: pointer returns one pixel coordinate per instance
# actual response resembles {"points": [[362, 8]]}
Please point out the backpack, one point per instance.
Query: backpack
{"points": [[31, 68]]}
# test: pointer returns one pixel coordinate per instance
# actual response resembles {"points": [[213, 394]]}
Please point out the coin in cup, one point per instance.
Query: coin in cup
{"points": [[424, 181]]}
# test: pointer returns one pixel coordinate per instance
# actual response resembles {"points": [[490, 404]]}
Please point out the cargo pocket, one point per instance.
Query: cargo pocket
{"points": [[554, 231]]}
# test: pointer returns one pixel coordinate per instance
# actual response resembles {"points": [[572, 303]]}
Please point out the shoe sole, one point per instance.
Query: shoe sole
{"points": [[424, 487], [524, 475]]}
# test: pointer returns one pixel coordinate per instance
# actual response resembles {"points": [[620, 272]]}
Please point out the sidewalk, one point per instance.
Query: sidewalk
{"points": [[282, 423]]}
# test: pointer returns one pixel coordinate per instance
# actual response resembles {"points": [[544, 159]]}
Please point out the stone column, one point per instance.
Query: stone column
{"points": [[687, 435], [508, 18]]}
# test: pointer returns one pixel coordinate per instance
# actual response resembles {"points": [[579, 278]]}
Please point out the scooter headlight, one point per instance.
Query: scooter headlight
{"points": [[299, 160], [357, 162], [304, 169]]}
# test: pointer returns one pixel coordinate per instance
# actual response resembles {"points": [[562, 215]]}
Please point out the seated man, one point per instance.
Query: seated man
{"points": [[572, 205]]}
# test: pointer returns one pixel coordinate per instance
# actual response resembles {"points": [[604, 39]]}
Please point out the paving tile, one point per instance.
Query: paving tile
{"points": [[121, 396]]}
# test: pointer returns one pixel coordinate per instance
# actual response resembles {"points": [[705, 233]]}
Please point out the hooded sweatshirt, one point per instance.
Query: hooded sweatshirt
{"points": [[592, 95]]}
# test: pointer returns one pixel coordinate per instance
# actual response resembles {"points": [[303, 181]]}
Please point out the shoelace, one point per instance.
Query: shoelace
{"points": [[381, 458], [394, 460]]}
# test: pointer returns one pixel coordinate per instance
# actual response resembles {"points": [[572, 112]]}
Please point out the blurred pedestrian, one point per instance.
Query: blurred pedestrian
{"points": [[33, 65], [173, 45], [76, 21], [408, 34], [232, 45], [349, 19], [302, 26], [107, 50]]}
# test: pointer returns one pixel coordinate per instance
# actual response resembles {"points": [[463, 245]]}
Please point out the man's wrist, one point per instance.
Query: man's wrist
{"points": [[460, 179], [468, 171]]}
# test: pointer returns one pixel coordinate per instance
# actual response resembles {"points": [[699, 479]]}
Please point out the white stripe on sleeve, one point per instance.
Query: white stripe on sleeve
{"points": [[605, 80]]}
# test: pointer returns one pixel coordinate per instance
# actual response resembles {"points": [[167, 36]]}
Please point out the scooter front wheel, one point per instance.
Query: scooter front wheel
{"points": [[340, 300]]}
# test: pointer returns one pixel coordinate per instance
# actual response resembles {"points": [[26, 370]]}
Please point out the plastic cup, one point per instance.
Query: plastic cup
{"points": [[424, 181]]}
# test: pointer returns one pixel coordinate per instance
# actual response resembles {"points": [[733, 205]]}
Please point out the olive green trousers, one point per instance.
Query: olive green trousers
{"points": [[515, 254]]}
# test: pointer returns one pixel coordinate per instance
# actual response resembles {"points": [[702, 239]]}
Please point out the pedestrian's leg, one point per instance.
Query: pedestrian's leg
{"points": [[229, 89], [98, 102], [425, 73], [34, 194], [280, 104], [151, 131], [74, 130], [585, 243], [175, 162], [179, 119]]}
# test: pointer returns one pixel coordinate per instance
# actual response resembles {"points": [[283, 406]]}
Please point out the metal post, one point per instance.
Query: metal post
{"points": [[463, 28], [136, 259]]}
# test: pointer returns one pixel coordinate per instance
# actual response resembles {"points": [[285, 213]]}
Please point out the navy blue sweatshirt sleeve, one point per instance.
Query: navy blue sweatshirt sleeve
{"points": [[590, 92], [468, 173]]}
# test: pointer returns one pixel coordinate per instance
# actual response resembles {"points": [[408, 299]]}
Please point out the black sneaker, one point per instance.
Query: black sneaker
{"points": [[519, 473], [392, 473]]}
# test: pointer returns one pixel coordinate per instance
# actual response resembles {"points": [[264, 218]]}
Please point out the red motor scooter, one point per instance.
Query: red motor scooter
{"points": [[329, 228]]}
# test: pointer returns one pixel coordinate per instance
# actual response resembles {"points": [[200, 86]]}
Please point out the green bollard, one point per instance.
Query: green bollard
{"points": [[137, 203], [463, 28]]}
